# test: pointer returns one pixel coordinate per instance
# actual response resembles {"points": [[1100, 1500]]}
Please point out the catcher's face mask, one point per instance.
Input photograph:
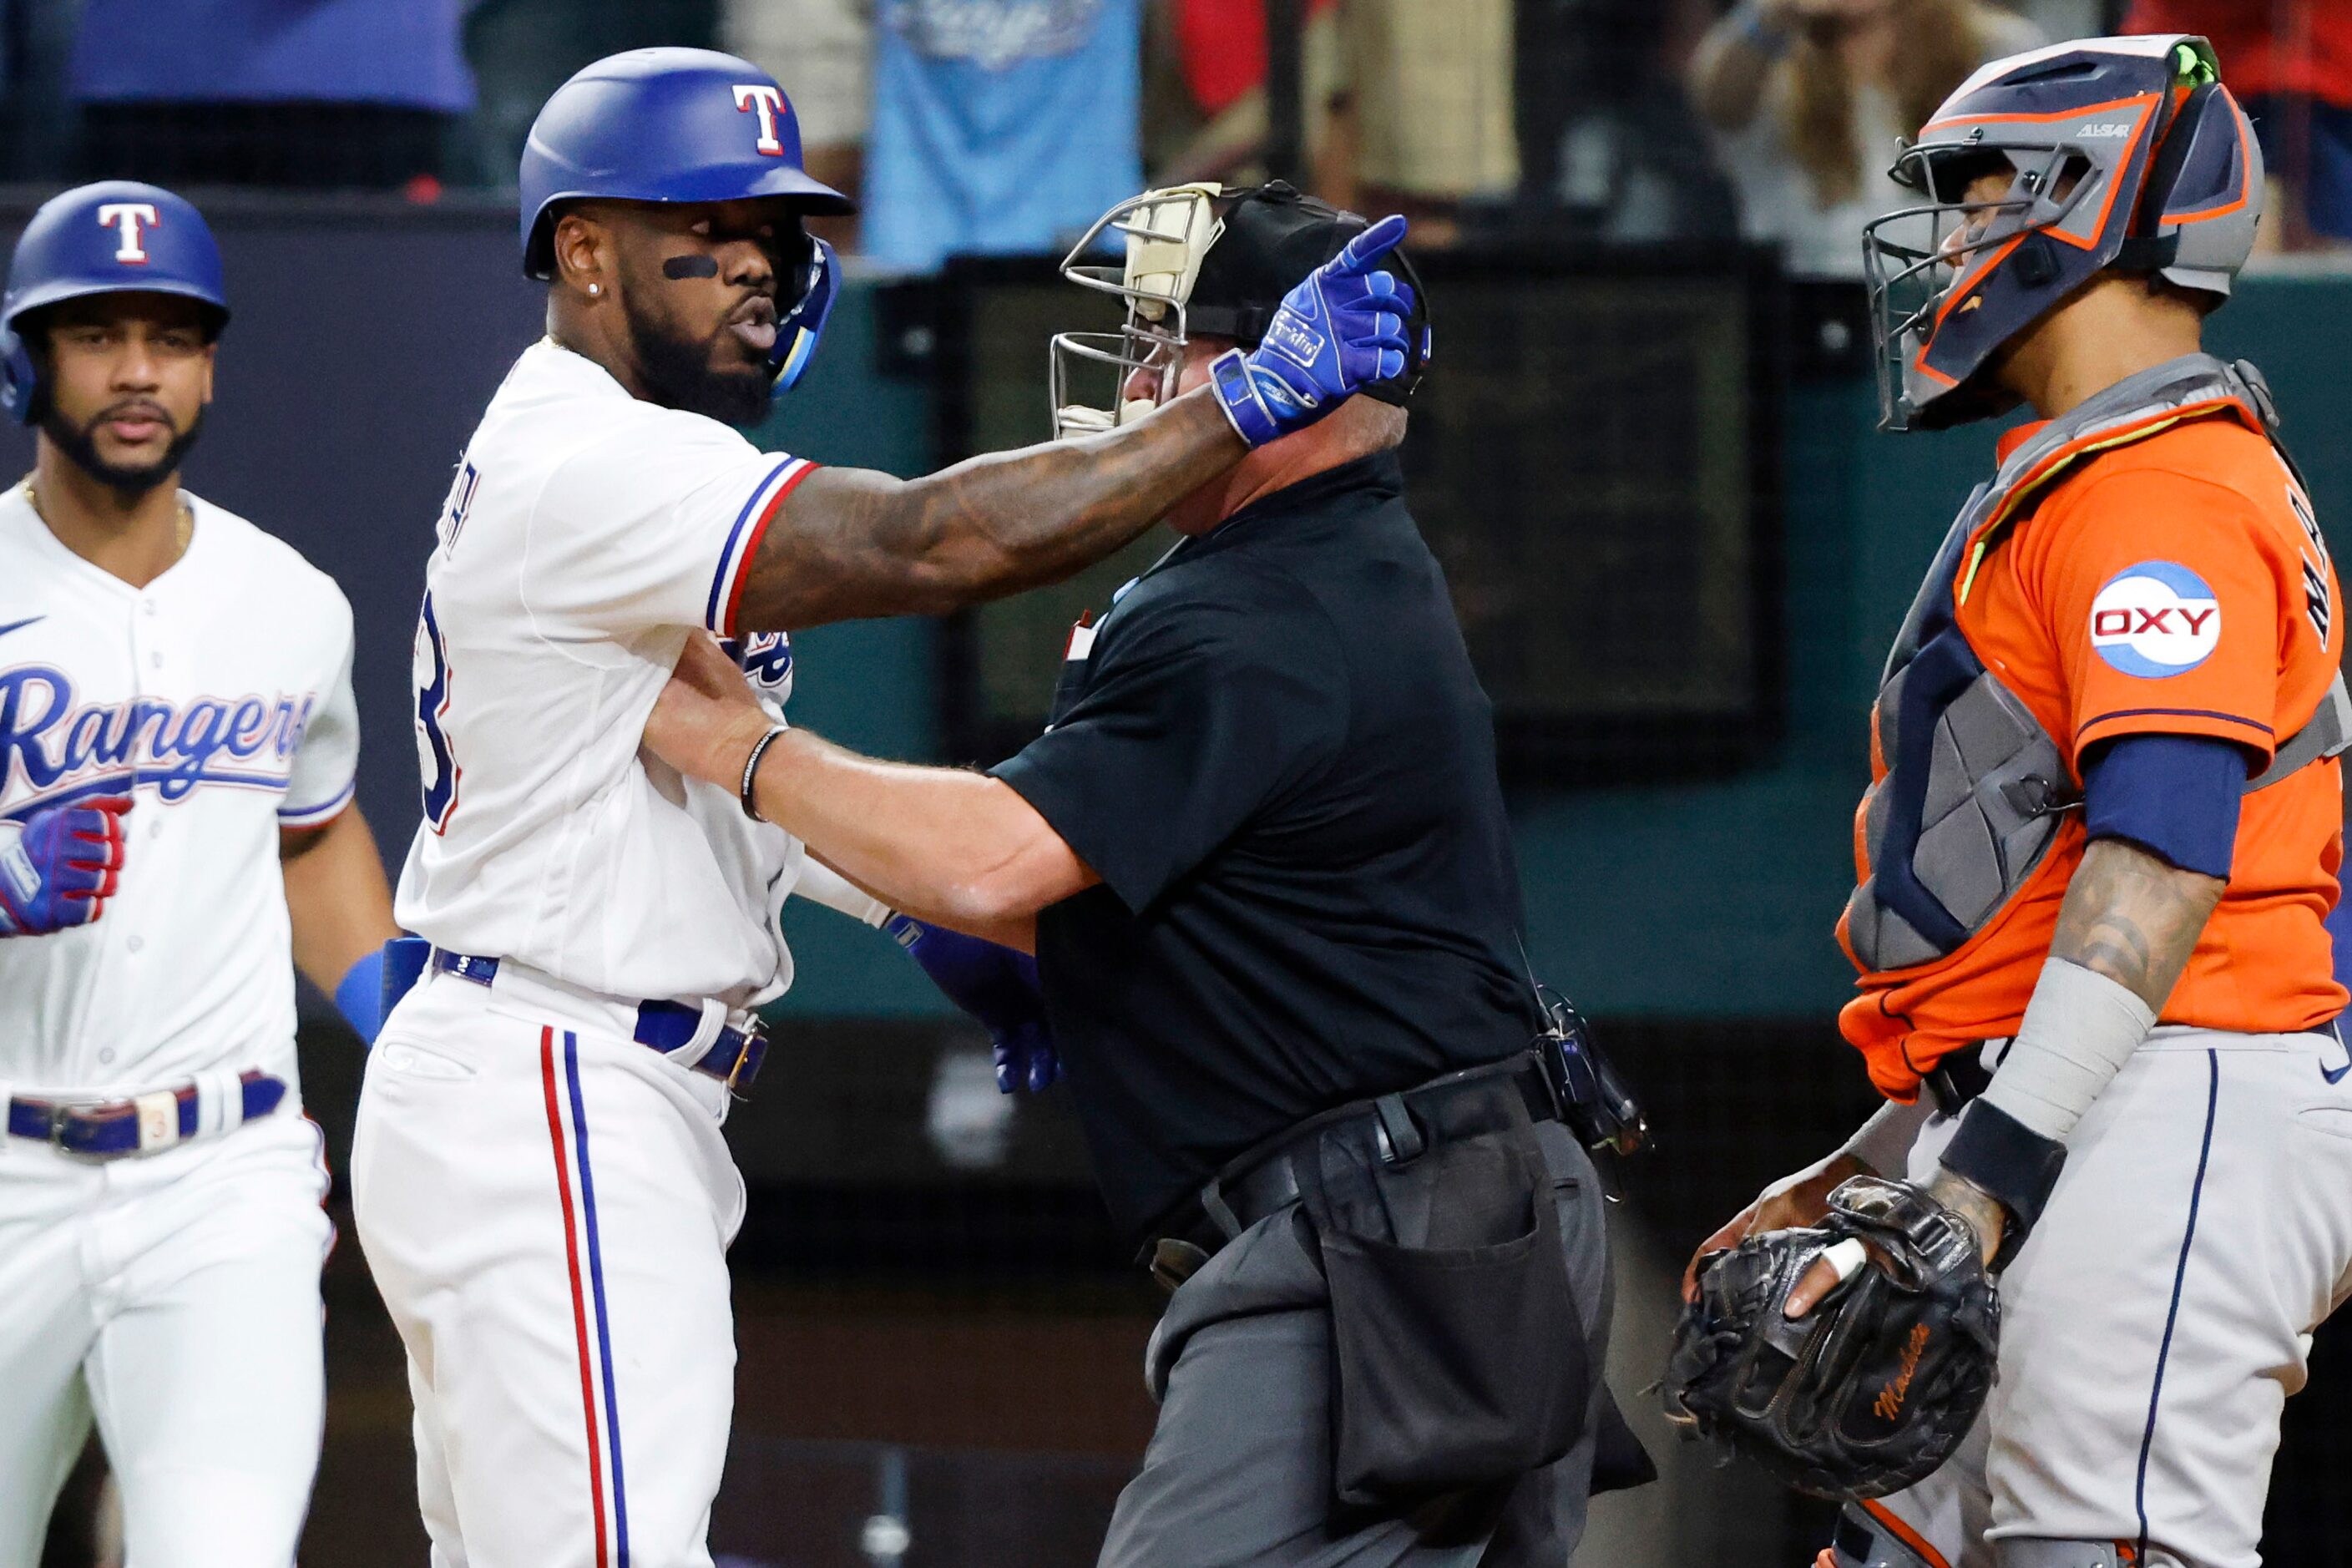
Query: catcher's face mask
{"points": [[1102, 380], [2111, 153]]}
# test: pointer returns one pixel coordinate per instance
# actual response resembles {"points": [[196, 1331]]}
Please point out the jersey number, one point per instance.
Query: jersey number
{"points": [[2318, 603], [435, 763]]}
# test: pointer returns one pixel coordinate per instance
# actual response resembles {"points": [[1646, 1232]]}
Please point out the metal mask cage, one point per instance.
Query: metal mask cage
{"points": [[1914, 257], [1165, 234]]}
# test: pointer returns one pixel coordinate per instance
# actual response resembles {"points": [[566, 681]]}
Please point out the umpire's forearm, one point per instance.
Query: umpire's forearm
{"points": [[959, 849]]}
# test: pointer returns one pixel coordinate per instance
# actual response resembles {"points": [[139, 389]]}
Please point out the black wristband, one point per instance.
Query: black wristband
{"points": [[2008, 1161], [752, 773]]}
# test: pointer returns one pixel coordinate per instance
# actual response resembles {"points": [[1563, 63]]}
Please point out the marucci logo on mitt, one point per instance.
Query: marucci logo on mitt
{"points": [[1889, 1403], [1872, 1390]]}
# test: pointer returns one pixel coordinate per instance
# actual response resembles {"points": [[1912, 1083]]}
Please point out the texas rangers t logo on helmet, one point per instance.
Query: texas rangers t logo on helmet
{"points": [[128, 217], [2156, 619], [765, 101]]}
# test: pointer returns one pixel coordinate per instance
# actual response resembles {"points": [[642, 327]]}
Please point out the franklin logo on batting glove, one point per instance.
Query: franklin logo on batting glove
{"points": [[1303, 370], [2156, 619]]}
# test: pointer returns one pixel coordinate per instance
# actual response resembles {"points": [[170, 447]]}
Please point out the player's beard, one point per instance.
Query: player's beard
{"points": [[679, 373], [129, 481]]}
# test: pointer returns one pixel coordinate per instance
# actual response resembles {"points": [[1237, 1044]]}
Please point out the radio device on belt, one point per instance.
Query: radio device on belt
{"points": [[1593, 1101]]}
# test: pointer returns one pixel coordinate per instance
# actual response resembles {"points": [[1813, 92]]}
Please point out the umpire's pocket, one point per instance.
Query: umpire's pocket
{"points": [[1460, 1365]]}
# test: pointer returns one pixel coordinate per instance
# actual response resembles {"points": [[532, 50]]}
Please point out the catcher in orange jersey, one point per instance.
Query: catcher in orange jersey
{"points": [[2103, 833]]}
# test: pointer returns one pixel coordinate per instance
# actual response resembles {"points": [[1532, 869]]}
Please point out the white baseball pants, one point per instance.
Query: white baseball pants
{"points": [[2157, 1320], [174, 1297], [547, 1205]]}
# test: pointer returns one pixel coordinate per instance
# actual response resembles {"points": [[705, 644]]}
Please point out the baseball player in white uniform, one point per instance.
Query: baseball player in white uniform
{"points": [[538, 1173], [178, 741]]}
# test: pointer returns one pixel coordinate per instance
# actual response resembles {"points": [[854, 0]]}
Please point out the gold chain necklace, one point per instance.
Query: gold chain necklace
{"points": [[185, 530]]}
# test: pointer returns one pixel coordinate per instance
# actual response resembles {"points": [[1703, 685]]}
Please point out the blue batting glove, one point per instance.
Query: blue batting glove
{"points": [[58, 866], [1343, 327], [994, 984], [359, 996]]}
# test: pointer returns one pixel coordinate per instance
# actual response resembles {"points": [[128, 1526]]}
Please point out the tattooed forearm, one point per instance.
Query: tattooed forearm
{"points": [[850, 542], [2134, 919]]}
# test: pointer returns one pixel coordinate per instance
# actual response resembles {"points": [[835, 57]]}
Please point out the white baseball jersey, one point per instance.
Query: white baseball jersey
{"points": [[586, 533], [223, 689]]}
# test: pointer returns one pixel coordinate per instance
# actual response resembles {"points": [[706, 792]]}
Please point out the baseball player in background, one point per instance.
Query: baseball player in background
{"points": [[538, 1173], [2103, 832], [178, 741]]}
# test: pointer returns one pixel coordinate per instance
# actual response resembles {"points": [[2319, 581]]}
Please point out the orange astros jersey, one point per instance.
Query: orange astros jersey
{"points": [[2177, 585]]}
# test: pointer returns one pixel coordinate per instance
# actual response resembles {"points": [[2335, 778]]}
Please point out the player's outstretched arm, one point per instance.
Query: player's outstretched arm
{"points": [[850, 542]]}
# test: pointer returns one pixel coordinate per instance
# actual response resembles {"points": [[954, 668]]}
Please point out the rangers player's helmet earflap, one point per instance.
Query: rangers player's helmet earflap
{"points": [[683, 125], [2124, 154], [1209, 260], [117, 237]]}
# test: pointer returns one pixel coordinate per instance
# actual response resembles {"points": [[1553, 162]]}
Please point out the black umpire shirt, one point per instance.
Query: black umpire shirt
{"points": [[1278, 759]]}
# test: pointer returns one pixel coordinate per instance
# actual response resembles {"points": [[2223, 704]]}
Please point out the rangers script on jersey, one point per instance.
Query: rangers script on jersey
{"points": [[222, 691]]}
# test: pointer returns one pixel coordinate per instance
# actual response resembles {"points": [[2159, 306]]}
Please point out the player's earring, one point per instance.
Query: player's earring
{"points": [[595, 287]]}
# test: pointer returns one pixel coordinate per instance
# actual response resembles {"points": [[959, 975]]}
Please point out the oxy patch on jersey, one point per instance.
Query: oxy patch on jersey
{"points": [[2156, 619], [57, 750]]}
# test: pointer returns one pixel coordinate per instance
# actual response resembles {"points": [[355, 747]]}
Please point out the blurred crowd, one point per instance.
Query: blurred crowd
{"points": [[1003, 126]]}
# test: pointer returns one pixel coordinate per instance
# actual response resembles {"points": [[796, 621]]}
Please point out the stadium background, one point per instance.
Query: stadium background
{"points": [[1682, 551]]}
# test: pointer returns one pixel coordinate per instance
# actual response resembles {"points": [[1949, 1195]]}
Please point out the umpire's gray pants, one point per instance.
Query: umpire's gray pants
{"points": [[1238, 1473]]}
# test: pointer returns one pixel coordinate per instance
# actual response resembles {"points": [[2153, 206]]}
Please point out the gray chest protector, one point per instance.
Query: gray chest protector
{"points": [[1970, 800]]}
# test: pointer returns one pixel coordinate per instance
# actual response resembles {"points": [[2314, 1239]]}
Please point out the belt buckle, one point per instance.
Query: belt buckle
{"points": [[755, 1046], [59, 1116]]}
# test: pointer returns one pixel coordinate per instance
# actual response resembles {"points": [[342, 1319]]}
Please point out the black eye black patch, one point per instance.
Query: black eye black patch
{"points": [[678, 267]]}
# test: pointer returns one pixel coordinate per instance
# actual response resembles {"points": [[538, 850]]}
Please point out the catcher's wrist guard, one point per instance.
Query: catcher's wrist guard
{"points": [[2010, 1164], [1874, 1388]]}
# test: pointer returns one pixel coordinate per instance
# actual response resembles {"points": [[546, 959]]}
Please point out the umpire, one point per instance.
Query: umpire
{"points": [[1262, 859]]}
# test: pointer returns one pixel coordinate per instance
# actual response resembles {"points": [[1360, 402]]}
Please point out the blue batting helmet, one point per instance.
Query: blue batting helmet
{"points": [[2120, 153], [682, 125], [113, 237]]}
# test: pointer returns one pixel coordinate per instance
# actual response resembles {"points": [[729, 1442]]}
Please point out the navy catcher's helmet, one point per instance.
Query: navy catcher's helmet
{"points": [[682, 125], [2125, 154], [113, 237]]}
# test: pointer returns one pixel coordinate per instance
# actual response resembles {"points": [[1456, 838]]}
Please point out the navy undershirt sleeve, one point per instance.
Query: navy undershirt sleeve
{"points": [[2174, 795]]}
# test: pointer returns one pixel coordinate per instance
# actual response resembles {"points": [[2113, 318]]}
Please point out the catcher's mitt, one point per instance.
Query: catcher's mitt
{"points": [[1874, 1388]]}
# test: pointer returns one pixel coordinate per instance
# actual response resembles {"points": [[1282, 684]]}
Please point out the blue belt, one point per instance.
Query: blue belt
{"points": [[111, 1130], [733, 1057]]}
